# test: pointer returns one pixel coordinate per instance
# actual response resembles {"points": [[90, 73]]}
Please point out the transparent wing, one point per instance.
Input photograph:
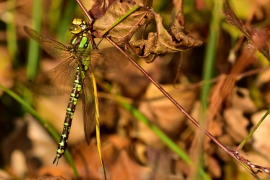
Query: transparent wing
{"points": [[107, 60], [55, 81], [88, 106], [54, 48], [104, 60]]}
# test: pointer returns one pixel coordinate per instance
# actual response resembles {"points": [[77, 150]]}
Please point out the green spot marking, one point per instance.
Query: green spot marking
{"points": [[75, 100], [79, 87], [84, 42], [61, 143]]}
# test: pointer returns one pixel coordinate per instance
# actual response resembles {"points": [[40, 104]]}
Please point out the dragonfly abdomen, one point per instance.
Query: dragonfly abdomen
{"points": [[73, 99]]}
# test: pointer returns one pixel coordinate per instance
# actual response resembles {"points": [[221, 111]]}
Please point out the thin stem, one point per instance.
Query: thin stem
{"points": [[228, 151], [170, 98], [252, 131], [85, 11]]}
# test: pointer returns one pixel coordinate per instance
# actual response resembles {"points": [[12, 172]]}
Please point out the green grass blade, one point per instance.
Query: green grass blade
{"points": [[208, 71], [121, 19], [253, 130], [163, 137], [62, 26], [56, 14], [33, 51], [11, 32]]}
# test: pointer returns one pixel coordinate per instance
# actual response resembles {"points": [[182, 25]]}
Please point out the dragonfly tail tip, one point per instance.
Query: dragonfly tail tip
{"points": [[56, 160]]}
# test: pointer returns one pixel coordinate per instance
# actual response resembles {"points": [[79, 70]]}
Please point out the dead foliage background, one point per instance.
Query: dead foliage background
{"points": [[238, 93]]}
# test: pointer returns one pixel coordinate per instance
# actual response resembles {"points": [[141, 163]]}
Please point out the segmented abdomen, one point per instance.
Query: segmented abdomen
{"points": [[73, 99]]}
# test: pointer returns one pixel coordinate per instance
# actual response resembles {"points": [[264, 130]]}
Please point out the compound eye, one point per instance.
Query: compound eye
{"points": [[83, 26], [77, 21], [75, 29]]}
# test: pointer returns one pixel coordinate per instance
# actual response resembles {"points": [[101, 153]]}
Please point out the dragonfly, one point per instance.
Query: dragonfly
{"points": [[75, 75]]}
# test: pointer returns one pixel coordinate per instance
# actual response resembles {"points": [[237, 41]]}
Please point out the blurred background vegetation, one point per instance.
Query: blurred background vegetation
{"points": [[130, 149]]}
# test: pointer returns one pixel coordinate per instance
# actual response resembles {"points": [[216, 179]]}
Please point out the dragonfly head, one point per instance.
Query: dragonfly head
{"points": [[77, 26]]}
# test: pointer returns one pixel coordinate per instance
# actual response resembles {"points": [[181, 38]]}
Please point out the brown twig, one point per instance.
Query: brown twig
{"points": [[85, 11], [172, 99]]}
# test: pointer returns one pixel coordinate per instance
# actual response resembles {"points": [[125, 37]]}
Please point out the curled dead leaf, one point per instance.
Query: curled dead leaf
{"points": [[100, 7], [158, 43], [162, 41], [123, 31]]}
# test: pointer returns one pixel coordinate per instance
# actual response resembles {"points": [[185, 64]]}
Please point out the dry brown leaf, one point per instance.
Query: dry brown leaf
{"points": [[18, 163], [183, 168], [158, 43], [56, 172], [49, 178], [241, 103], [123, 31], [215, 127], [236, 124], [213, 166], [125, 168], [263, 78], [262, 134], [162, 41], [87, 161], [118, 163], [43, 145], [63, 170], [132, 82], [227, 141], [241, 100], [5, 175], [161, 163], [99, 8], [160, 111]]}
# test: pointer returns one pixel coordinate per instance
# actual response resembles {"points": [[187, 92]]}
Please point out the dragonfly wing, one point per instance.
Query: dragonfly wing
{"points": [[88, 98], [54, 48], [56, 81], [108, 60]]}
